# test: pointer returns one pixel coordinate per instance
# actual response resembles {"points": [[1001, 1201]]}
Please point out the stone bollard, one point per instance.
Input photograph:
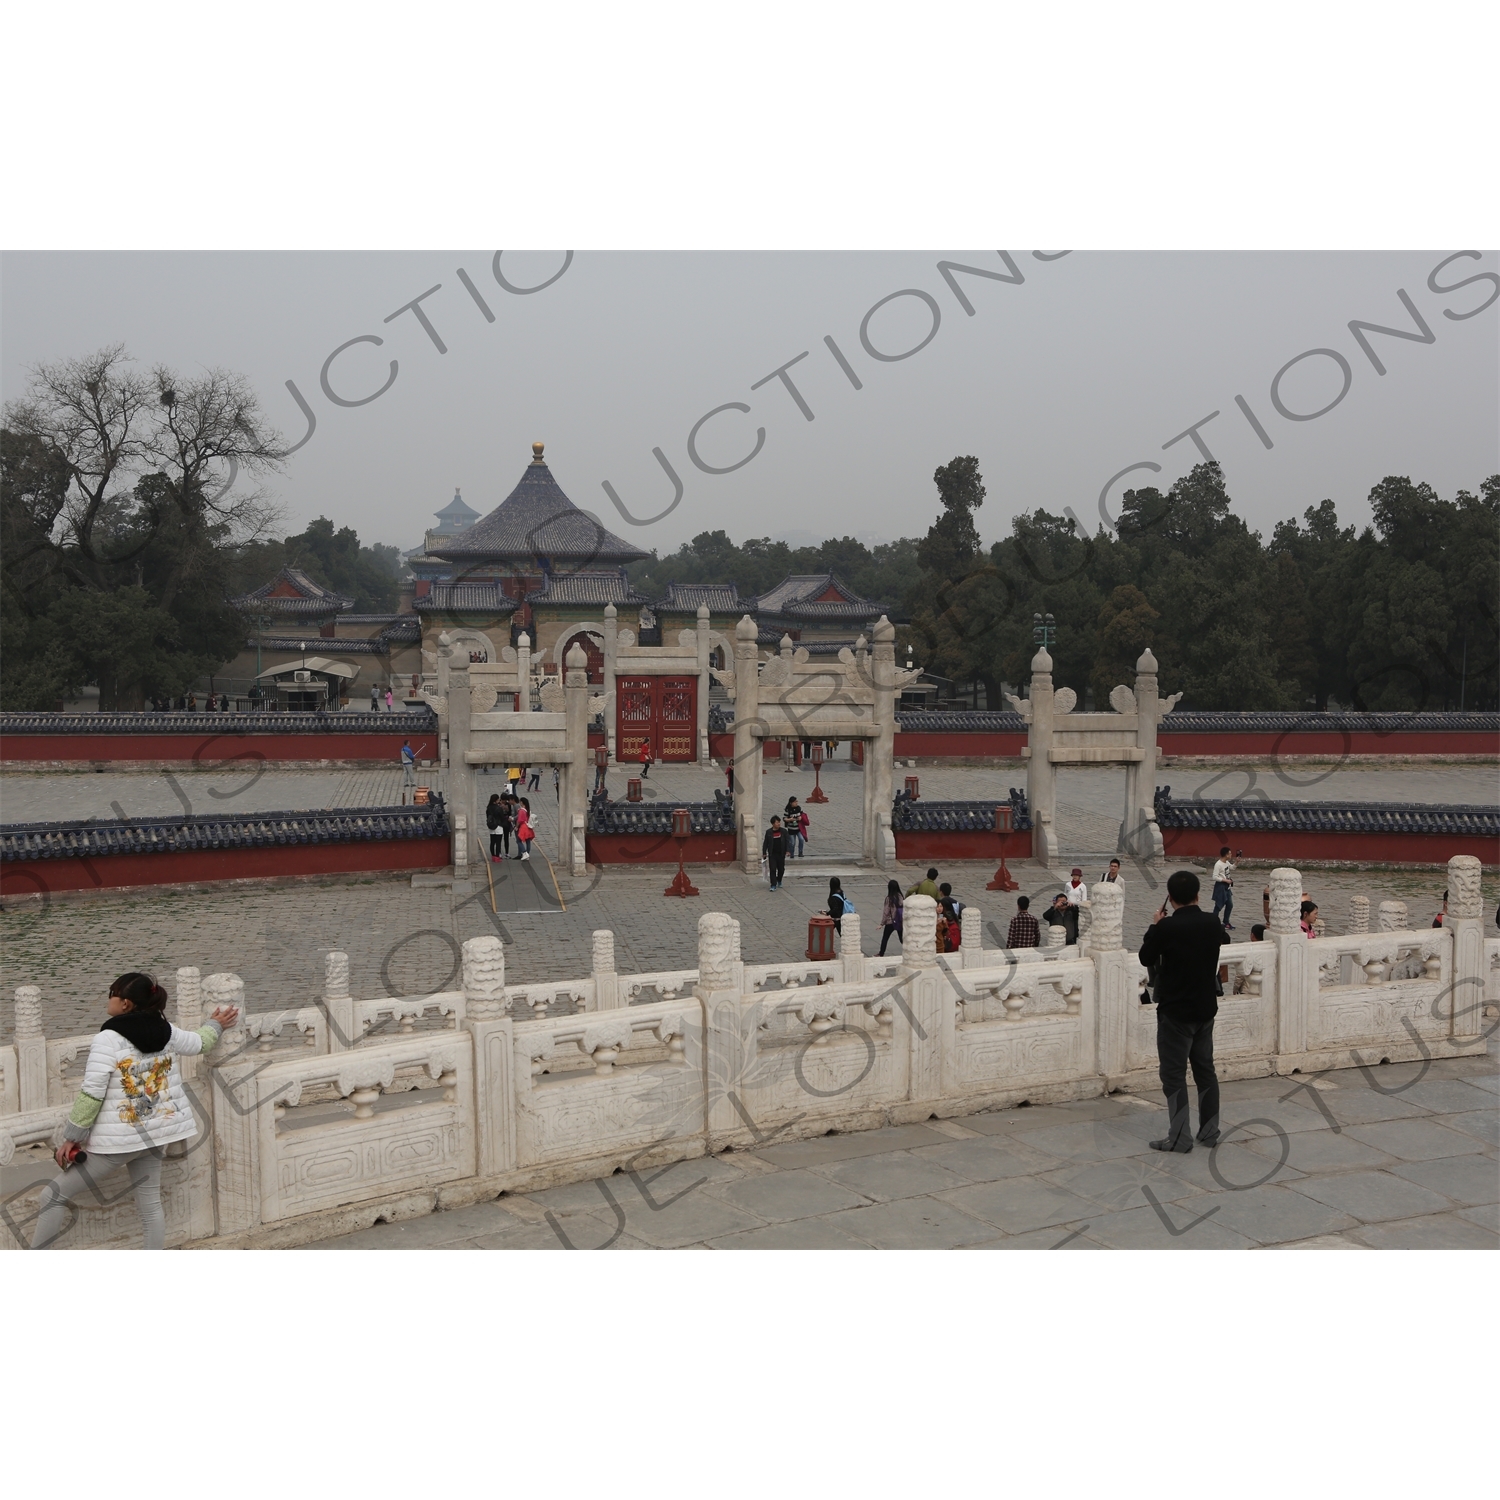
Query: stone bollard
{"points": [[31, 1049], [1359, 914], [606, 979], [484, 978], [1393, 916]]}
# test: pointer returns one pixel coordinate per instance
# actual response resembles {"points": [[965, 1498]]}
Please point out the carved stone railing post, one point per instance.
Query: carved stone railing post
{"points": [[972, 947], [1392, 917], [736, 959], [1114, 986], [1054, 935], [851, 954], [930, 1022], [31, 1048], [715, 953], [484, 978], [338, 1004], [1359, 914], [189, 1015], [492, 1035], [1465, 919], [1296, 974], [228, 989], [606, 978]]}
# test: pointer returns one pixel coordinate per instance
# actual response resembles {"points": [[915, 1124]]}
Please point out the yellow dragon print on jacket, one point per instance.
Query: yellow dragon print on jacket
{"points": [[143, 1095]]}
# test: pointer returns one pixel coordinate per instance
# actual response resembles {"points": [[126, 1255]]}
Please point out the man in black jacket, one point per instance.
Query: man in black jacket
{"points": [[1184, 948], [773, 847]]}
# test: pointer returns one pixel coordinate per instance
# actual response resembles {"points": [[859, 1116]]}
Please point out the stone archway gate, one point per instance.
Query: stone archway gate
{"points": [[792, 697], [1124, 736]]}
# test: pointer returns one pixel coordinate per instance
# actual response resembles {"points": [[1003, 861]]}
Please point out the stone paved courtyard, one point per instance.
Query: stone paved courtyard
{"points": [[404, 940], [1402, 1156]]}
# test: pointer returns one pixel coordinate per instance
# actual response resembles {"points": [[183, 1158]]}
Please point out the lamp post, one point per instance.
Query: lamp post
{"points": [[1043, 631], [682, 828], [1002, 880], [817, 794]]}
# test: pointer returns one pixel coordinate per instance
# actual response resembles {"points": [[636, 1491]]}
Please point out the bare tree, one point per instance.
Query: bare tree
{"points": [[93, 414], [207, 430]]}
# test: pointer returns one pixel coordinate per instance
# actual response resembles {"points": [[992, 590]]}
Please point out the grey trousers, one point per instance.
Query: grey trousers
{"points": [[92, 1177]]}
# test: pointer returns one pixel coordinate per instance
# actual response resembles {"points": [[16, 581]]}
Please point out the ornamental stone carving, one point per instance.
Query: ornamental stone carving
{"points": [[1286, 899], [1108, 932], [919, 951], [484, 978], [1064, 700], [28, 1013], [604, 951], [189, 999], [1359, 914], [604, 1041], [336, 975], [1121, 699], [1463, 886], [1392, 916], [715, 952]]}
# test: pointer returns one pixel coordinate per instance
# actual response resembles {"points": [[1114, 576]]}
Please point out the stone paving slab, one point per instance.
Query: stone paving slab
{"points": [[1468, 1180], [1416, 1140], [1072, 1176], [1018, 1204], [1436, 1232], [1146, 1229]]}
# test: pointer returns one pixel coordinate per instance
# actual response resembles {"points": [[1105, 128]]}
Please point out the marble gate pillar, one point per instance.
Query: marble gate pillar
{"points": [[747, 745], [1041, 774]]}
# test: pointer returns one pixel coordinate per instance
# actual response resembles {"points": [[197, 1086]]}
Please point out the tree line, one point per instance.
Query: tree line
{"points": [[131, 510], [1401, 615]]}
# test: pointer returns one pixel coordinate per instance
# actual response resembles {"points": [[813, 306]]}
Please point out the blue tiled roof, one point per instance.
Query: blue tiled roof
{"points": [[182, 834], [1327, 817], [413, 721], [921, 815], [656, 817]]}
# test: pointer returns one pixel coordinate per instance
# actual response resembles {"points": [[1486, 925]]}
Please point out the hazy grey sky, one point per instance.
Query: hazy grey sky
{"points": [[1091, 364]]}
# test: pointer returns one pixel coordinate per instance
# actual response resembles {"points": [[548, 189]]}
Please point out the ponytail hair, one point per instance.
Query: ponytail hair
{"points": [[143, 992]]}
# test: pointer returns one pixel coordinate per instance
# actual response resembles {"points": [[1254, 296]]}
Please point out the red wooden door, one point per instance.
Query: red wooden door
{"points": [[635, 717], [659, 712], [678, 719]]}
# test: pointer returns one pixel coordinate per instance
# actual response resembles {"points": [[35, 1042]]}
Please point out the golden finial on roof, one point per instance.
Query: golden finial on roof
{"points": [[536, 452]]}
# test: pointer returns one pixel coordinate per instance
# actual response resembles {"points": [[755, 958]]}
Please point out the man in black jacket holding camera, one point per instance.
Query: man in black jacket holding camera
{"points": [[1184, 949]]}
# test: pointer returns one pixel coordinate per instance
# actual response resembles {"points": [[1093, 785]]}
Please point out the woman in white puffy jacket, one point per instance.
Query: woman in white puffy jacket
{"points": [[130, 1109]]}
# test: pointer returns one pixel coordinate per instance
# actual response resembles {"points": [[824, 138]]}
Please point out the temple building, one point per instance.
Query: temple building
{"points": [[299, 627], [454, 517], [536, 565], [817, 611]]}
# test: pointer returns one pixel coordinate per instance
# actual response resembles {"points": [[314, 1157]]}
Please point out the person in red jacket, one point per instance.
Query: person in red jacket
{"points": [[645, 758]]}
